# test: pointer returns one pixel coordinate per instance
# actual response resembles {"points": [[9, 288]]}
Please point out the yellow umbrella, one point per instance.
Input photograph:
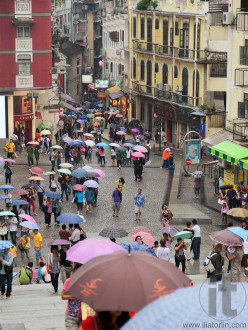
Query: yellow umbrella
{"points": [[45, 132], [238, 212], [35, 143], [35, 178]]}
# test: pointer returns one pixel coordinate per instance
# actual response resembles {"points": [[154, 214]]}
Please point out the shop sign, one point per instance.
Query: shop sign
{"points": [[101, 95], [24, 117], [61, 123], [192, 152], [202, 130], [165, 112], [115, 103], [101, 83], [229, 176]]}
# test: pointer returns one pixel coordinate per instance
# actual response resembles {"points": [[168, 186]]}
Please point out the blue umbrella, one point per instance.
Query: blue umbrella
{"points": [[240, 232], [123, 129], [91, 184], [79, 173], [3, 197], [71, 113], [82, 116], [52, 194], [135, 246], [191, 305], [7, 186], [29, 225], [100, 105], [19, 202], [114, 126], [77, 131], [101, 144], [5, 245], [169, 230], [70, 218], [76, 142]]}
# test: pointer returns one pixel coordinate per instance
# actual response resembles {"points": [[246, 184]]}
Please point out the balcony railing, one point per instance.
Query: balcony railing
{"points": [[244, 55], [213, 57], [218, 6], [169, 96], [23, 8], [24, 81], [23, 44], [242, 19], [241, 77]]}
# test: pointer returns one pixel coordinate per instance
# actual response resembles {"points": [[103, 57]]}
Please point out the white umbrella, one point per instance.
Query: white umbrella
{"points": [[116, 145], [88, 134], [66, 165], [56, 147], [90, 143], [197, 174]]}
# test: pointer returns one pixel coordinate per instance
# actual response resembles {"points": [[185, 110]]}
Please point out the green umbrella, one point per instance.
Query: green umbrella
{"points": [[45, 127], [6, 213], [90, 115], [183, 234], [100, 119], [64, 170]]}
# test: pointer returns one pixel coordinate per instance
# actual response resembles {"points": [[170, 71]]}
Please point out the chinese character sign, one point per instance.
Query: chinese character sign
{"points": [[192, 152]]}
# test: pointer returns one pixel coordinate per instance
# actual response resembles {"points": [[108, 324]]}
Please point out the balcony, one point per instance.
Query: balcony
{"points": [[241, 77], [244, 55], [23, 8], [218, 6], [23, 44], [213, 57], [242, 19], [24, 82], [169, 96], [167, 51]]}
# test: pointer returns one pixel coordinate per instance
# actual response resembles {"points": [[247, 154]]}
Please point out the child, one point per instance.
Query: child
{"points": [[224, 211], [13, 250]]}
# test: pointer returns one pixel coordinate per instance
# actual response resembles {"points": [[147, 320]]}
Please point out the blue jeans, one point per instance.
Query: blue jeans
{"points": [[64, 190], [6, 278], [16, 145], [30, 161], [196, 243], [58, 164]]}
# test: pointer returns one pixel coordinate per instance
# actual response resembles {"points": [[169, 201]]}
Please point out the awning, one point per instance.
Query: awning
{"points": [[229, 151], [92, 86], [215, 162], [67, 98], [218, 137], [87, 78], [38, 115], [113, 89], [81, 43], [116, 95], [69, 106]]}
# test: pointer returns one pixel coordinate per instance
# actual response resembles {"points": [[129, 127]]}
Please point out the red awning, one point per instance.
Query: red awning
{"points": [[215, 162], [38, 115], [92, 86], [67, 98], [81, 43]]}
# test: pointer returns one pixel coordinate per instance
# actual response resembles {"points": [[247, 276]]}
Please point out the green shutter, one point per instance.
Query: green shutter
{"points": [[241, 110]]}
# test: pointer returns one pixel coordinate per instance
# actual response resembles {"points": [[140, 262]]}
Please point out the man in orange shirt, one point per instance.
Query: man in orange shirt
{"points": [[165, 157]]}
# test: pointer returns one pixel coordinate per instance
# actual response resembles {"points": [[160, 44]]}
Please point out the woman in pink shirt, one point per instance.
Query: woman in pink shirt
{"points": [[102, 155]]}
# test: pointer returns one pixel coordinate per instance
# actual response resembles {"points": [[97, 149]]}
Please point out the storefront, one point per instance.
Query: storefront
{"points": [[23, 116], [168, 121]]}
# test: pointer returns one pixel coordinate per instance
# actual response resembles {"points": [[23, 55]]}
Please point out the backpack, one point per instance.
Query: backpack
{"points": [[208, 265]]}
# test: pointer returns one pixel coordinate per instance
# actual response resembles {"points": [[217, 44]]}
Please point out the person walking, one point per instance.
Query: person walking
{"points": [[224, 210], [63, 233], [140, 200], [65, 265], [13, 223], [162, 251], [3, 228], [137, 165], [58, 158], [80, 200], [75, 236], [217, 261], [197, 185], [64, 186], [10, 148], [113, 156], [40, 188], [236, 258], [38, 246], [118, 159], [48, 210], [116, 201], [57, 209], [24, 246], [37, 154], [179, 255], [6, 273], [128, 157], [53, 266], [196, 243], [102, 155], [30, 156], [188, 241], [8, 200], [53, 184], [165, 158], [14, 138], [8, 173], [52, 158], [89, 196]]}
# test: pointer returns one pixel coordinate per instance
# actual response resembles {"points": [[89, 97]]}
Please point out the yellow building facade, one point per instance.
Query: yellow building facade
{"points": [[167, 67]]}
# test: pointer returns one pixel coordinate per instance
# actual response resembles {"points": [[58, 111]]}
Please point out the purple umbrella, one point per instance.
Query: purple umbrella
{"points": [[67, 139], [59, 242], [81, 121], [226, 237], [91, 184], [86, 250]]}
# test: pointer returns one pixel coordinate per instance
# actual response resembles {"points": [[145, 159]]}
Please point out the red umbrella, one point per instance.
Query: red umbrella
{"points": [[125, 282], [20, 192], [137, 229], [79, 187], [36, 170], [226, 237]]}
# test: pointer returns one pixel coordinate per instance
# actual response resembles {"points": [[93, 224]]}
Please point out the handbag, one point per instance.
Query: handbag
{"points": [[75, 199], [49, 265], [44, 208], [27, 245], [169, 215], [20, 247], [180, 257], [220, 201]]}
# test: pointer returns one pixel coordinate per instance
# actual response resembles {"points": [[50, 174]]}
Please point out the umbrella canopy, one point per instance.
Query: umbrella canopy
{"points": [[116, 145], [96, 124], [77, 131], [100, 173], [45, 132], [121, 133], [3, 197], [146, 238], [6, 214], [121, 149], [36, 170], [127, 145], [79, 187], [64, 170], [89, 135], [183, 234], [83, 116], [132, 141], [56, 147], [138, 154], [226, 237], [9, 160], [92, 174], [80, 121], [169, 230], [100, 119], [197, 174], [87, 168], [91, 184], [138, 229], [27, 217], [59, 242], [70, 218], [113, 126], [6, 186], [35, 143], [79, 173], [66, 165], [30, 225], [119, 115], [52, 194], [20, 192], [135, 246], [86, 250], [98, 114], [135, 130], [240, 232], [90, 115], [67, 139], [238, 212], [49, 172], [76, 142], [133, 123], [44, 127], [19, 202], [127, 290], [140, 149], [195, 306], [90, 143], [35, 178], [101, 144], [113, 232], [5, 245], [27, 186]]}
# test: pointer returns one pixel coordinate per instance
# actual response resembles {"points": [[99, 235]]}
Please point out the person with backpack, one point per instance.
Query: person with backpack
{"points": [[116, 200], [52, 159], [179, 255], [64, 186], [25, 275], [217, 261]]}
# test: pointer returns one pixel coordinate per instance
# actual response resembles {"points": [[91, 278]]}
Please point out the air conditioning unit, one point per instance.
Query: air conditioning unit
{"points": [[167, 87], [227, 18], [84, 7], [179, 88], [222, 163], [160, 86]]}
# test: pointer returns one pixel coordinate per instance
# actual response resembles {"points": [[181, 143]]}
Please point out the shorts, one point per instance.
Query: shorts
{"points": [[38, 254], [137, 209], [80, 206], [197, 190], [26, 251], [113, 157], [116, 206]]}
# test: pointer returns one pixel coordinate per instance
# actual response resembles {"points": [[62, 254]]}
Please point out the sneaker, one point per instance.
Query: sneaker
{"points": [[8, 298], [2, 296]]}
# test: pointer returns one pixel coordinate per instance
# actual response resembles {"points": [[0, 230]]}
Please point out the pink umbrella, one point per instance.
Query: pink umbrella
{"points": [[27, 217], [79, 187], [88, 249], [168, 149], [100, 172], [36, 170], [135, 130], [146, 238], [9, 160], [59, 242], [1, 159], [140, 149], [121, 133], [138, 154], [20, 192]]}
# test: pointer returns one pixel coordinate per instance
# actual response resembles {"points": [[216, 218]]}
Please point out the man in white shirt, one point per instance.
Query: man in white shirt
{"points": [[13, 222], [196, 243], [75, 236]]}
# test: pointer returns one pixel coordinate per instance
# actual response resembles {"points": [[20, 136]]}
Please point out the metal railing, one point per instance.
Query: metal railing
{"points": [[242, 19], [218, 6], [169, 96], [241, 77]]}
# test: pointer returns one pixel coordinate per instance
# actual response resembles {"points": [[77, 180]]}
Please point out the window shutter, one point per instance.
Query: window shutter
{"points": [[241, 110]]}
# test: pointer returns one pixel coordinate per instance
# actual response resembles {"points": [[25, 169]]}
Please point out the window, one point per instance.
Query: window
{"points": [[142, 112], [69, 17], [156, 67], [142, 28], [142, 70], [165, 35], [175, 72], [134, 110], [241, 109], [23, 32], [119, 69], [111, 67], [176, 28], [165, 74], [196, 85], [219, 96], [185, 75], [149, 76], [106, 66], [24, 64], [134, 27], [134, 68], [78, 65], [157, 23], [122, 36], [218, 70], [77, 88], [114, 36]]}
